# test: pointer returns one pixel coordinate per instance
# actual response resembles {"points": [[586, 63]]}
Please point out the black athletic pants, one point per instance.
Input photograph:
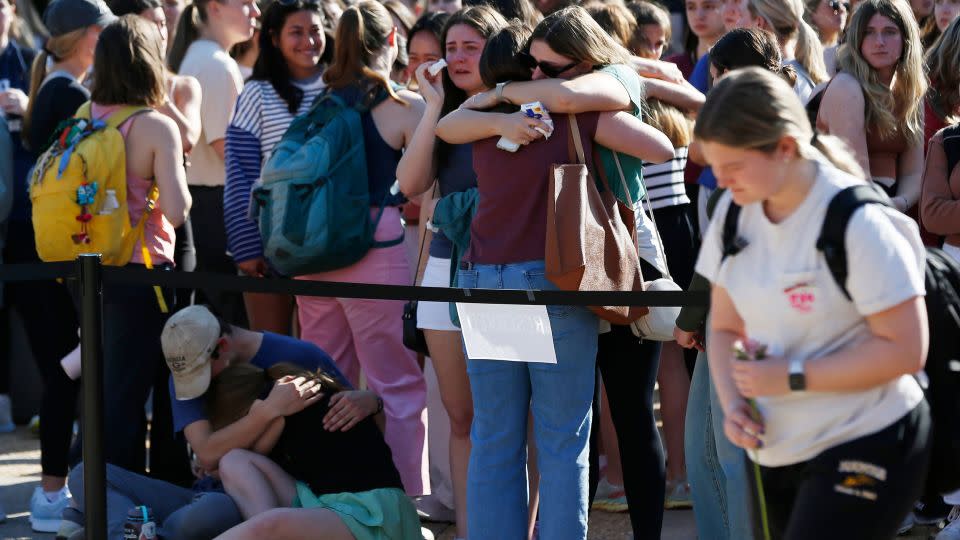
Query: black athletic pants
{"points": [[862, 489], [50, 322], [629, 369], [210, 242]]}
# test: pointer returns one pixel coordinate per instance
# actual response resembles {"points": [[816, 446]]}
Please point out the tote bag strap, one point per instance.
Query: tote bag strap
{"points": [[661, 251]]}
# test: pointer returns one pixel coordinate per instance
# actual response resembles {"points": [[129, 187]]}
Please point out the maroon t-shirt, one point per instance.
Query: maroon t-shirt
{"points": [[510, 224]]}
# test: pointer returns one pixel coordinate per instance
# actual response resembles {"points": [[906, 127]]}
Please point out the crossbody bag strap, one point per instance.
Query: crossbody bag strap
{"points": [[423, 240], [661, 251]]}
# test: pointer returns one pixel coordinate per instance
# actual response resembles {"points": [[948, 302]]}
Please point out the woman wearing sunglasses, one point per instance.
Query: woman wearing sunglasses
{"points": [[828, 17], [559, 395]]}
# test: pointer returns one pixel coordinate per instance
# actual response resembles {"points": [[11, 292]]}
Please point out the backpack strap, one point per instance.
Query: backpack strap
{"points": [[832, 241], [732, 242], [116, 119], [951, 146]]}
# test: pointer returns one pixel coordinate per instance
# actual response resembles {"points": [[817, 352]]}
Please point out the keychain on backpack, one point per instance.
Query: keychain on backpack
{"points": [[86, 195]]}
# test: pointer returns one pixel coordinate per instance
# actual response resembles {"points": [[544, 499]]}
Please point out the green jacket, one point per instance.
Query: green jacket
{"points": [[453, 215], [693, 318]]}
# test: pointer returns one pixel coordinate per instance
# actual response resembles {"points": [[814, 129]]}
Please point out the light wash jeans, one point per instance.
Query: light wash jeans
{"points": [[560, 396], [179, 513], [716, 469]]}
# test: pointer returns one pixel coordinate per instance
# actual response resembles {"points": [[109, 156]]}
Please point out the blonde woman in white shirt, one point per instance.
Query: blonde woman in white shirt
{"points": [[843, 442]]}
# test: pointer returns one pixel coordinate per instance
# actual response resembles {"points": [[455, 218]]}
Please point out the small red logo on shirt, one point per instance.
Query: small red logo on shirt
{"points": [[801, 297]]}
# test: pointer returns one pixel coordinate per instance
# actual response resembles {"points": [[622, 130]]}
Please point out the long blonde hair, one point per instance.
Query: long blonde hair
{"points": [[942, 63], [669, 119], [753, 108], [900, 109], [785, 18], [56, 49]]}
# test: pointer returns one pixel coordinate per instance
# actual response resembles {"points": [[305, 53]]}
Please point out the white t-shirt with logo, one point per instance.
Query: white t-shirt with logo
{"points": [[788, 299]]}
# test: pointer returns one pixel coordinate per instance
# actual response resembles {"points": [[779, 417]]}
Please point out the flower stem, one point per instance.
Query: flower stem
{"points": [[761, 497]]}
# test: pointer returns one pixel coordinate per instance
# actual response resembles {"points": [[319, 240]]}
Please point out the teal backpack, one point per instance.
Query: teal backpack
{"points": [[313, 205]]}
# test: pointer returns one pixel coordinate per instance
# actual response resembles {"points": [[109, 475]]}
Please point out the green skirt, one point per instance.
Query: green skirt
{"points": [[380, 514]]}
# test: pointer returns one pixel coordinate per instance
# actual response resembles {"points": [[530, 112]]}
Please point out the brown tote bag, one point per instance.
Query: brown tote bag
{"points": [[591, 236]]}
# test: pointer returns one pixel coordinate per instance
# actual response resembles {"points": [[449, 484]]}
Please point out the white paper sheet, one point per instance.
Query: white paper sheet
{"points": [[507, 332]]}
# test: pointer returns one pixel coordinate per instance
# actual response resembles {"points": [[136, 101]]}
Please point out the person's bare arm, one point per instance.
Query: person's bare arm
{"points": [[625, 133], [168, 171], [184, 109], [289, 396], [897, 347], [657, 69], [681, 95], [842, 109], [219, 147], [268, 440], [417, 169], [464, 126], [595, 91], [910, 181]]}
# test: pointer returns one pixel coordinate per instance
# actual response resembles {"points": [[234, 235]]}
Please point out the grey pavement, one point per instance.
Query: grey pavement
{"points": [[20, 473]]}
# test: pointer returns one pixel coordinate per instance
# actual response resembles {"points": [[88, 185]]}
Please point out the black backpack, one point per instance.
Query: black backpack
{"points": [[943, 318]]}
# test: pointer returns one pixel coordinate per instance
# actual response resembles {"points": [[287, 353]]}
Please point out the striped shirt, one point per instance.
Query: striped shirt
{"points": [[665, 180], [259, 122]]}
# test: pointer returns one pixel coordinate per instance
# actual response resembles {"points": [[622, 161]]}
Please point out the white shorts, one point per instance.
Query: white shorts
{"points": [[435, 315]]}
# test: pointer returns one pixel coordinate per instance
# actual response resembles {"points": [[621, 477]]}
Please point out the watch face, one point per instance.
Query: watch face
{"points": [[798, 381]]}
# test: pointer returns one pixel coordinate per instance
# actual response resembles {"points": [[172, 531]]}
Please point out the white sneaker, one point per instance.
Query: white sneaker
{"points": [[427, 533], [45, 515], [6, 415], [952, 530]]}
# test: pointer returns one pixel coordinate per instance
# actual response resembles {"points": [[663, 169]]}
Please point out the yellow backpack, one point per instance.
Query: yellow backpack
{"points": [[79, 192]]}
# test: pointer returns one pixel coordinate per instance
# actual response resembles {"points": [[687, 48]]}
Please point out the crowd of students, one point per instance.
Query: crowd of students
{"points": [[286, 416]]}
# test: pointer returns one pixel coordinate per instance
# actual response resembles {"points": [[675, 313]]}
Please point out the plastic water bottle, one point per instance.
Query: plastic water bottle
{"points": [[140, 524], [110, 202]]}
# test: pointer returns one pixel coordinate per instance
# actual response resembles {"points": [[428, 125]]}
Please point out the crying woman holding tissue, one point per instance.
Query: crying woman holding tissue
{"points": [[513, 190]]}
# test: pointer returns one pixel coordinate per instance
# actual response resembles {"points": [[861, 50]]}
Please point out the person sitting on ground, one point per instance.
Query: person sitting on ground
{"points": [[199, 513], [362, 497], [199, 345]]}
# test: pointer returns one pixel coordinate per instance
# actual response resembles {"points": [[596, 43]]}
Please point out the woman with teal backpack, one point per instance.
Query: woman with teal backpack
{"points": [[361, 332], [286, 79]]}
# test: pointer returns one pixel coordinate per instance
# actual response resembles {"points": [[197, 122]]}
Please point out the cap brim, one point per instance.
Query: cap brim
{"points": [[193, 384]]}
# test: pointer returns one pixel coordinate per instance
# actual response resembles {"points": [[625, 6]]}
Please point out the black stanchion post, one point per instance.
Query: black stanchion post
{"points": [[90, 273]]}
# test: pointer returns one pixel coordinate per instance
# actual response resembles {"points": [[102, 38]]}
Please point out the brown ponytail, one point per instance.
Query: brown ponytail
{"points": [[56, 49], [361, 35], [188, 31]]}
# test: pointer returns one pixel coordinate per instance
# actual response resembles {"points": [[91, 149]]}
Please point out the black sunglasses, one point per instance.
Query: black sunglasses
{"points": [[549, 70], [835, 5]]}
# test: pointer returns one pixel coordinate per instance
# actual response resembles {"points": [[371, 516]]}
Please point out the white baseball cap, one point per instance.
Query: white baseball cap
{"points": [[188, 339]]}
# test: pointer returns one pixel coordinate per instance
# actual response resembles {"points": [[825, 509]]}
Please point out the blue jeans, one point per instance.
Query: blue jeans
{"points": [[715, 467], [560, 396], [179, 512]]}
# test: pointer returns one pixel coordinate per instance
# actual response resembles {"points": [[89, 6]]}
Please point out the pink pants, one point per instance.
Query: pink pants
{"points": [[368, 334]]}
